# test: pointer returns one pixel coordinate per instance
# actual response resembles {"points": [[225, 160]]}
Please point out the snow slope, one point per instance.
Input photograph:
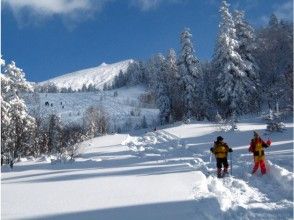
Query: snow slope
{"points": [[71, 106], [98, 76], [166, 174]]}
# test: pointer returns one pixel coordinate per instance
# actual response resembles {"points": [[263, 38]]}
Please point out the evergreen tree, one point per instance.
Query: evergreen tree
{"points": [[144, 122], [54, 134], [17, 125], [84, 88], [5, 115], [246, 46], [174, 88], [134, 74], [274, 55], [161, 90], [210, 100], [191, 77], [232, 80]]}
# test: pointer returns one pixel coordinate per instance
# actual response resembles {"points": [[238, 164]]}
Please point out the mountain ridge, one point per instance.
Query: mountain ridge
{"points": [[97, 76]]}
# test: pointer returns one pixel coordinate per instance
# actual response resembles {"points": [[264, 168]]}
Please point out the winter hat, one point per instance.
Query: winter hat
{"points": [[219, 138], [255, 134]]}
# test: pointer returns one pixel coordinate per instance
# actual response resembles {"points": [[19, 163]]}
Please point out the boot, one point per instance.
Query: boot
{"points": [[219, 173]]}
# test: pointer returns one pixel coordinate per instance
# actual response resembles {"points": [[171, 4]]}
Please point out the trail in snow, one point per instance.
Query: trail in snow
{"points": [[269, 196], [166, 174]]}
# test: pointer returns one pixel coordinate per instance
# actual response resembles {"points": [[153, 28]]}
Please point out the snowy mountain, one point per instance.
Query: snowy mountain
{"points": [[98, 76]]}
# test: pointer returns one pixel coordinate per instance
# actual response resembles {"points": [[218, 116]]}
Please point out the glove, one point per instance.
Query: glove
{"points": [[211, 150], [269, 142], [230, 150]]}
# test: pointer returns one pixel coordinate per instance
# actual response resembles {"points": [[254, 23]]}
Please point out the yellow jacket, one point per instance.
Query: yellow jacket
{"points": [[220, 149]]}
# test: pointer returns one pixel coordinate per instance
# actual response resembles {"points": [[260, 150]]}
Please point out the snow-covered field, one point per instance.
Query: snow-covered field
{"points": [[163, 174], [71, 106]]}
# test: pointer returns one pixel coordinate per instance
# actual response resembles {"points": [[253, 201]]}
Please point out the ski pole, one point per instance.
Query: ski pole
{"points": [[231, 163]]}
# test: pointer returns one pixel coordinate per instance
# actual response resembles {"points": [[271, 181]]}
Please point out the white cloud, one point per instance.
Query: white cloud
{"points": [[285, 11], [72, 12], [49, 7], [146, 5], [35, 11]]}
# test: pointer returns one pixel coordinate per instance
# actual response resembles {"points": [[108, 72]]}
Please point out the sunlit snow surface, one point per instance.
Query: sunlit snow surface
{"points": [[163, 174]]}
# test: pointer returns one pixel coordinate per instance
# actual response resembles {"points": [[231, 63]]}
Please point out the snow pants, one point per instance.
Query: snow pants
{"points": [[259, 162], [222, 162]]}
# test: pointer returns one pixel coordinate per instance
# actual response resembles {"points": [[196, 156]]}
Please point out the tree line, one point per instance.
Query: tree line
{"points": [[250, 70], [32, 135]]}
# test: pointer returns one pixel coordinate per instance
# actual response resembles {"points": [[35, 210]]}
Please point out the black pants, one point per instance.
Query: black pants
{"points": [[222, 161]]}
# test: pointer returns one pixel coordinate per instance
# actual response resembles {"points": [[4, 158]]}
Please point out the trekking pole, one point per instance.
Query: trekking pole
{"points": [[231, 163]]}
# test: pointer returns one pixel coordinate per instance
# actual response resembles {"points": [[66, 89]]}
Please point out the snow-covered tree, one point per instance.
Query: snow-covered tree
{"points": [[16, 124], [49, 87], [94, 122], [246, 46], [144, 122], [274, 55], [163, 101], [229, 67], [174, 89], [134, 74], [274, 122], [54, 134], [191, 77], [72, 135], [289, 83], [5, 115], [210, 96]]}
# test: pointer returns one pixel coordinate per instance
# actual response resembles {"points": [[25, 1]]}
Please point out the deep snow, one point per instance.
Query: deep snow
{"points": [[163, 174]]}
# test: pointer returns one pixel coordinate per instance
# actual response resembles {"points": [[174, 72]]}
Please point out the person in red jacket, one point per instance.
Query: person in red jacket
{"points": [[257, 146]]}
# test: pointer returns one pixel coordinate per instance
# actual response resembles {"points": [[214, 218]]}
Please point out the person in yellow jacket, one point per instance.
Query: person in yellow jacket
{"points": [[257, 146], [220, 150]]}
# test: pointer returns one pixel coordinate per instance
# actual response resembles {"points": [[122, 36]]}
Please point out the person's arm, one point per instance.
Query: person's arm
{"points": [[228, 148], [251, 148], [267, 144], [212, 149]]}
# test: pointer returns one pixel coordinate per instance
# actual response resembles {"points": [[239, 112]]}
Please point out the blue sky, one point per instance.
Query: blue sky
{"points": [[51, 37]]}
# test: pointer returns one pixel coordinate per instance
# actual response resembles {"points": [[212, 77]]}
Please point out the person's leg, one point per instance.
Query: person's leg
{"points": [[256, 164], [226, 165], [219, 166], [262, 167]]}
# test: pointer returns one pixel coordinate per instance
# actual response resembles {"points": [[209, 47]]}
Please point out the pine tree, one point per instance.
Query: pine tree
{"points": [[5, 116], [22, 129], [17, 125], [174, 88], [54, 134], [191, 77], [274, 55], [144, 122], [246, 46], [232, 81], [161, 90]]}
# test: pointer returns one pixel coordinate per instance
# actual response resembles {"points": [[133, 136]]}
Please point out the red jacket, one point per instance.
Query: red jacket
{"points": [[255, 142], [257, 146]]}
